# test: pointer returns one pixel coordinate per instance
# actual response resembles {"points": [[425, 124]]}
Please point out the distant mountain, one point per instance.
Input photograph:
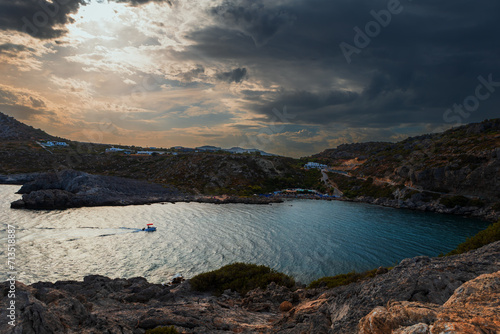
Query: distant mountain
{"points": [[239, 150], [12, 129]]}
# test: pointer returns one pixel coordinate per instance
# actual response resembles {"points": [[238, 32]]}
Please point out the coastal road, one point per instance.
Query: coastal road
{"points": [[328, 184]]}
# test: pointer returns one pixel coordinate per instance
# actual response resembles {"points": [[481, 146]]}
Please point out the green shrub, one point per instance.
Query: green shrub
{"points": [[410, 194], [451, 202], [240, 277], [342, 279], [163, 330], [477, 203], [491, 234]]}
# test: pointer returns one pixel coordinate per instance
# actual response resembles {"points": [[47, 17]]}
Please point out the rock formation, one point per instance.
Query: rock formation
{"points": [[473, 308], [420, 295], [73, 189], [70, 189]]}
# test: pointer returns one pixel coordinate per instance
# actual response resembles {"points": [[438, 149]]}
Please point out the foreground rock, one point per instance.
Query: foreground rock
{"points": [[73, 189], [420, 295], [473, 308], [420, 279]]}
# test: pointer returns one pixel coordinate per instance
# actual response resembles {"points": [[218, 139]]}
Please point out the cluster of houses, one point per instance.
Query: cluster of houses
{"points": [[55, 144], [315, 165], [124, 151], [232, 150]]}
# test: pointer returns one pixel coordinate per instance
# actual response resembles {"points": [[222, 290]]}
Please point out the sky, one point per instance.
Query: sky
{"points": [[291, 77]]}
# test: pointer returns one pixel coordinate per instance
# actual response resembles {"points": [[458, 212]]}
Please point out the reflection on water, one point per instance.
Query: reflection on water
{"points": [[306, 239]]}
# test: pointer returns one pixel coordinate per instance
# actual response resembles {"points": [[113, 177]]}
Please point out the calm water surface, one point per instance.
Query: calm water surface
{"points": [[306, 239]]}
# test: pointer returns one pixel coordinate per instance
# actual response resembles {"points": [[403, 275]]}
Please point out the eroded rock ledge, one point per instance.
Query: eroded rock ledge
{"points": [[73, 189], [420, 295]]}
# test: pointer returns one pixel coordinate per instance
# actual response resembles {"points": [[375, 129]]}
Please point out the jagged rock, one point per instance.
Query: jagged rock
{"points": [[420, 279], [473, 308], [397, 314]]}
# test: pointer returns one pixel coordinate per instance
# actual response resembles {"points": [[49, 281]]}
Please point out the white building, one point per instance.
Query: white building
{"points": [[315, 165], [114, 149], [150, 152], [55, 143]]}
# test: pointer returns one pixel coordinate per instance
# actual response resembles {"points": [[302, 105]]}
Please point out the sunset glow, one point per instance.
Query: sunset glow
{"points": [[168, 73]]}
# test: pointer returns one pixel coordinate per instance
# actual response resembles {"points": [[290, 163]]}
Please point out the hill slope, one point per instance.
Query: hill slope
{"points": [[12, 129], [463, 161], [198, 173], [457, 168]]}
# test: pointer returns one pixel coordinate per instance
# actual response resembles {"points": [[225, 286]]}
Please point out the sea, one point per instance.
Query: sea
{"points": [[306, 239]]}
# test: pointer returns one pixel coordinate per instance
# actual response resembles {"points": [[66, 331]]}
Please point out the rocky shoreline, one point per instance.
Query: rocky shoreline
{"points": [[419, 295], [73, 189], [486, 213]]}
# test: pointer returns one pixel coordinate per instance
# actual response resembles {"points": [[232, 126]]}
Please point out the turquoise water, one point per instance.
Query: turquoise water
{"points": [[306, 239]]}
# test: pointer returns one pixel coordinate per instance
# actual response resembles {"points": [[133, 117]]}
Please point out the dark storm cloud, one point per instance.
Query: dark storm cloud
{"points": [[44, 19], [257, 19], [427, 58], [237, 75], [39, 18]]}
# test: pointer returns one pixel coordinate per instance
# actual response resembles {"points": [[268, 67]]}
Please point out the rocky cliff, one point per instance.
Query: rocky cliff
{"points": [[462, 161], [420, 295]]}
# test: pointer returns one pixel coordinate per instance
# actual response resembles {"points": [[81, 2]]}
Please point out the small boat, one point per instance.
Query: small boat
{"points": [[149, 228]]}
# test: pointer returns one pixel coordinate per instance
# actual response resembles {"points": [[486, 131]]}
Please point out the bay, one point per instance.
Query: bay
{"points": [[303, 238]]}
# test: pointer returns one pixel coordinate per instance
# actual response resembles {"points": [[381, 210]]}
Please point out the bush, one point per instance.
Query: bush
{"points": [[428, 196], [451, 202], [163, 330], [342, 279], [477, 203], [240, 277], [491, 234]]}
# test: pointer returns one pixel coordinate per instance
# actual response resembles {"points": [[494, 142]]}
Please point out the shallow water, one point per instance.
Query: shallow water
{"points": [[303, 238]]}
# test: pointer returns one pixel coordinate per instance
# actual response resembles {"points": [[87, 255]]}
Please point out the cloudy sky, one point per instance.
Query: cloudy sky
{"points": [[291, 77]]}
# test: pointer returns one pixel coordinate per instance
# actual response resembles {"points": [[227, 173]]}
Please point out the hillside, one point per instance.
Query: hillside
{"points": [[13, 130], [192, 172], [457, 171], [462, 161]]}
